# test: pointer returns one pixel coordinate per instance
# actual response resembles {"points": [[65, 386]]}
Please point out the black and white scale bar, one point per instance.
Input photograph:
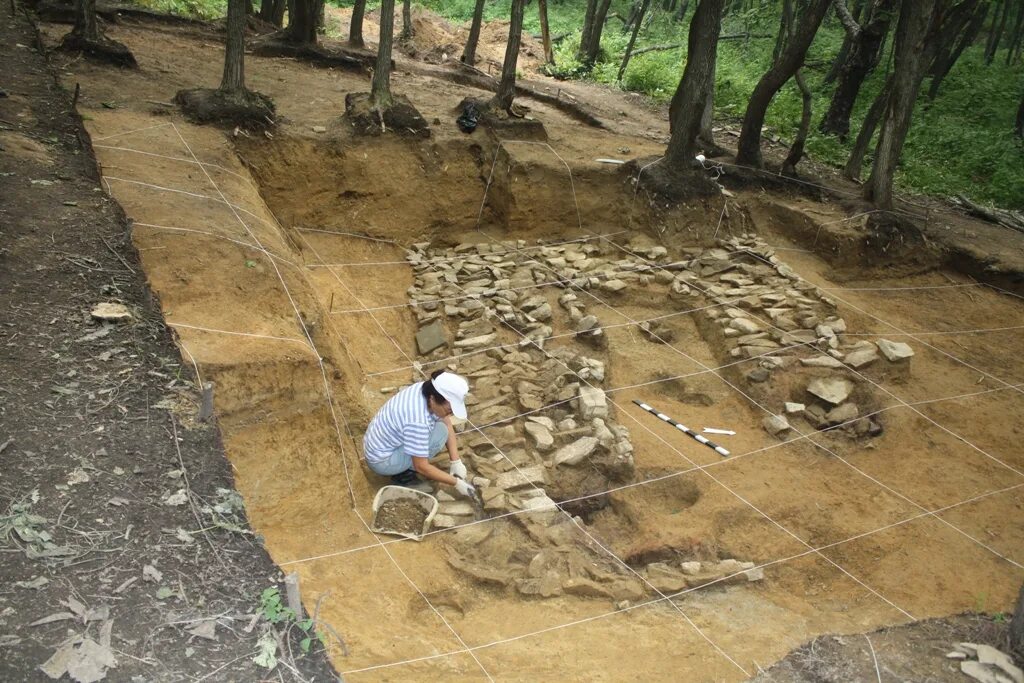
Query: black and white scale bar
{"points": [[683, 428]]}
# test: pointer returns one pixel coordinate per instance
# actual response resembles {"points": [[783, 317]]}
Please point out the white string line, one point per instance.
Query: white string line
{"points": [[878, 673], [294, 340], [328, 393], [981, 330], [162, 188], [825, 448], [381, 544], [184, 347], [673, 447], [448, 259], [672, 596], [564, 512], [243, 243], [930, 346], [900, 289], [129, 132], [343, 234], [646, 482], [185, 161], [1004, 291]]}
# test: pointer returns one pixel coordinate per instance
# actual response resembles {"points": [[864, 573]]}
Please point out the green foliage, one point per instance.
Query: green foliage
{"points": [[200, 9], [277, 614]]}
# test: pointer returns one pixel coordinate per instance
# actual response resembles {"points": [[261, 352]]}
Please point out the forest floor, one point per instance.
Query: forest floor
{"points": [[280, 263]]}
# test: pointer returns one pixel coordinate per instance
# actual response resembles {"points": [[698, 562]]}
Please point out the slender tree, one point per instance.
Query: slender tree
{"points": [[590, 42], [232, 82], [952, 46], [380, 88], [86, 37], [995, 35], [791, 57], [640, 12], [681, 11], [1019, 126], [545, 31], [355, 26], [507, 86], [867, 130], [916, 22], [1016, 36], [469, 53], [865, 42], [697, 82], [844, 49], [407, 29]]}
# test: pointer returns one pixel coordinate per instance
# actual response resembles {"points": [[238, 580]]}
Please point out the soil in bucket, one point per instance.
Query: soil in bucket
{"points": [[404, 515]]}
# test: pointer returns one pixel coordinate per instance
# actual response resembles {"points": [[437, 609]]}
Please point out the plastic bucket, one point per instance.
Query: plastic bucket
{"points": [[424, 500]]}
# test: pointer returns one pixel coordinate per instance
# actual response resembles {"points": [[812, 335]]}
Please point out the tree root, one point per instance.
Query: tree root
{"points": [[103, 50], [245, 108]]}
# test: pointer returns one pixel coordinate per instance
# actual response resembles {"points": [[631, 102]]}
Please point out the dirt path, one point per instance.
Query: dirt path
{"points": [[117, 545]]}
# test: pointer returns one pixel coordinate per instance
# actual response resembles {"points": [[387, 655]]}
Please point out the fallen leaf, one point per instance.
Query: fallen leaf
{"points": [[90, 662], [151, 573], [75, 606], [177, 498], [205, 629], [36, 583], [56, 616], [163, 593], [118, 501], [124, 586], [9, 641], [78, 476], [267, 645], [185, 537]]}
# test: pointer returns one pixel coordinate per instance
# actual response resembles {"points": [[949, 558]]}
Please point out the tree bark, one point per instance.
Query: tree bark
{"points": [[545, 31], [790, 59], [681, 12], [278, 13], [844, 49], [644, 4], [380, 88], [1016, 36], [266, 10], [302, 18], [1019, 127], [949, 52], [406, 19], [588, 26], [863, 56], [855, 163], [593, 46], [85, 21], [796, 150], [698, 80], [355, 26], [233, 80], [469, 53], [912, 33], [507, 86], [996, 34]]}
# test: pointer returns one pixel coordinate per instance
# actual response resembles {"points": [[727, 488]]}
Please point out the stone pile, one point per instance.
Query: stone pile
{"points": [[986, 664], [672, 578]]}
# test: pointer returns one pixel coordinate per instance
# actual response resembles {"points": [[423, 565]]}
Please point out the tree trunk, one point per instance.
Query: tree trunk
{"points": [[707, 118], [1016, 36], [996, 34], [912, 34], [380, 89], [545, 31], [697, 81], [86, 27], [1019, 127], [681, 12], [588, 26], [278, 16], [791, 59], [844, 49], [861, 61], [507, 86], [867, 130], [1016, 634], [355, 27], [320, 12], [593, 46], [632, 38], [407, 20], [266, 10], [469, 54], [233, 81], [302, 17], [796, 151], [950, 52]]}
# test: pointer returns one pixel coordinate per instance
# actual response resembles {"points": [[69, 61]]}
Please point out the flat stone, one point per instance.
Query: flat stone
{"points": [[575, 452], [832, 390], [614, 285], [758, 375], [821, 362], [592, 403], [990, 655], [541, 420], [690, 568], [586, 323], [664, 578], [860, 358], [458, 508], [540, 435], [840, 414], [895, 351], [476, 342], [792, 408], [524, 477], [111, 312], [745, 326], [775, 424], [430, 337], [979, 672]]}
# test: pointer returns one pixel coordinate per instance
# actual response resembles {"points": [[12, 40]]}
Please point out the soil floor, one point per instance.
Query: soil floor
{"points": [[280, 263]]}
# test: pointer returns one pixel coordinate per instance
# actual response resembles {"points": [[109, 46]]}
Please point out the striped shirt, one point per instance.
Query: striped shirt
{"points": [[403, 421]]}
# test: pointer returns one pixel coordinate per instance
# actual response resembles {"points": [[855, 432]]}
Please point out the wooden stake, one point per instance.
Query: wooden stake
{"points": [[291, 585], [206, 407]]}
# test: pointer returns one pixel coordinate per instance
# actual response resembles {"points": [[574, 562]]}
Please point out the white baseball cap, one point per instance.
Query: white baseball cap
{"points": [[454, 388]]}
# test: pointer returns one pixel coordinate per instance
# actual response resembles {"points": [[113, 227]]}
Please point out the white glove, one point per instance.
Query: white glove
{"points": [[457, 469], [465, 488]]}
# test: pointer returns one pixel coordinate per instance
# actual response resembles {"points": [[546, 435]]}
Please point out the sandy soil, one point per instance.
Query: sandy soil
{"points": [[253, 247]]}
